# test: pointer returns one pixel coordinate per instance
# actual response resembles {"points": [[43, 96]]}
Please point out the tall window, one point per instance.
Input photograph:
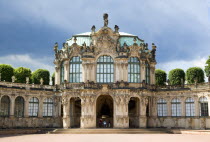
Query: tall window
{"points": [[33, 107], [190, 107], [62, 72], [162, 107], [147, 74], [203, 106], [75, 72], [19, 107], [105, 69], [48, 107], [5, 106], [133, 70], [175, 107]]}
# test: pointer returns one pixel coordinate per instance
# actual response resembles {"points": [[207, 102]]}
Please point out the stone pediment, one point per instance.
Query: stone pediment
{"points": [[105, 40]]}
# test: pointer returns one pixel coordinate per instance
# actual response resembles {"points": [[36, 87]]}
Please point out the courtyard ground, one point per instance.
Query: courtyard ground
{"points": [[106, 138]]}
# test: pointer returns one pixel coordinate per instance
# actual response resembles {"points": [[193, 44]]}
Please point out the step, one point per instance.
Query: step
{"points": [[109, 131]]}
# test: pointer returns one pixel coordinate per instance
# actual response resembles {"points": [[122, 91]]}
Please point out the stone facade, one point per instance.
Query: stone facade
{"points": [[121, 100]]}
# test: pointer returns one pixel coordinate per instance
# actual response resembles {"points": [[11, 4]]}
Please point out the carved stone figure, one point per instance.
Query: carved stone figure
{"points": [[105, 20], [13, 79], [41, 81], [56, 47], [153, 52], [93, 29], [116, 29]]}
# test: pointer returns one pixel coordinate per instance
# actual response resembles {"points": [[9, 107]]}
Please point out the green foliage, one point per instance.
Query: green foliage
{"points": [[41, 73], [7, 71], [160, 77], [194, 73], [53, 78], [175, 76], [21, 73], [207, 68]]}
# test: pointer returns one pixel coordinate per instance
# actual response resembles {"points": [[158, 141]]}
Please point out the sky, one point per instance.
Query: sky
{"points": [[179, 28]]}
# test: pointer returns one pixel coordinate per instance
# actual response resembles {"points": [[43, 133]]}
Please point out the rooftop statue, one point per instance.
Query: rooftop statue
{"points": [[106, 20]]}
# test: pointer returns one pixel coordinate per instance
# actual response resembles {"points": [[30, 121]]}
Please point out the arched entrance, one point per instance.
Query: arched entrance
{"points": [[133, 112], [75, 112], [104, 112]]}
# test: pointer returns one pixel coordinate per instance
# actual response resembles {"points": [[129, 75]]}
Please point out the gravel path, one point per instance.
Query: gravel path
{"points": [[106, 138]]}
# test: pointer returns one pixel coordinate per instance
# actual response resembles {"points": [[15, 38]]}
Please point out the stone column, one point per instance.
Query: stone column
{"points": [[66, 116], [88, 117], [66, 71], [143, 71], [121, 118], [57, 75], [197, 106], [183, 106], [40, 113], [152, 73], [26, 106], [169, 106], [143, 117], [84, 71], [12, 106]]}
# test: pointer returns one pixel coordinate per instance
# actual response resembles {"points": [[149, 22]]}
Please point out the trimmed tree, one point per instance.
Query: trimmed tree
{"points": [[175, 76], [41, 73], [160, 77], [207, 69], [53, 78], [194, 73], [7, 71], [21, 73]]}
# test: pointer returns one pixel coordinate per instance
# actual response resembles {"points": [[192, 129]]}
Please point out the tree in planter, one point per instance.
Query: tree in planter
{"points": [[21, 73], [7, 71], [176, 76], [160, 77], [207, 69], [194, 73], [41, 73]]}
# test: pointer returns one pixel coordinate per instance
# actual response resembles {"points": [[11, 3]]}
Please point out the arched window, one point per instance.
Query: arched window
{"points": [[203, 106], [147, 74], [62, 72], [190, 107], [33, 107], [105, 69], [162, 107], [175, 107], [133, 70], [48, 107], [5, 106], [75, 72], [19, 107]]}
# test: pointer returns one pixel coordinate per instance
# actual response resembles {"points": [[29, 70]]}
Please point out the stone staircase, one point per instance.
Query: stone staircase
{"points": [[110, 131]]}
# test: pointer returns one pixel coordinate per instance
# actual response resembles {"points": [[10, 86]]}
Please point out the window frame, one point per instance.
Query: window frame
{"points": [[105, 69], [5, 106], [190, 107], [176, 106], [48, 107], [75, 70], [134, 70], [33, 106], [19, 107], [162, 110]]}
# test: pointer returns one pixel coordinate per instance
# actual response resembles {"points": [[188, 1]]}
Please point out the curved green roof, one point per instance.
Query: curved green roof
{"points": [[124, 38]]}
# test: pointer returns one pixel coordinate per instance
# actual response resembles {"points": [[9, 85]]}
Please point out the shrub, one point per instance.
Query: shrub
{"points": [[160, 77], [194, 73], [175, 76], [7, 71], [21, 73], [41, 73]]}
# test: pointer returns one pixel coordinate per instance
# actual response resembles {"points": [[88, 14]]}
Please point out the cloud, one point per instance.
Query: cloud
{"points": [[28, 62]]}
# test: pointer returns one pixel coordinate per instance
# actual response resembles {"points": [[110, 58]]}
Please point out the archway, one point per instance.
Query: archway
{"points": [[75, 112], [104, 112], [133, 112]]}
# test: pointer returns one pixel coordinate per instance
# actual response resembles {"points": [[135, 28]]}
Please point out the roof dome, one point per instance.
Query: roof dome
{"points": [[86, 37]]}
